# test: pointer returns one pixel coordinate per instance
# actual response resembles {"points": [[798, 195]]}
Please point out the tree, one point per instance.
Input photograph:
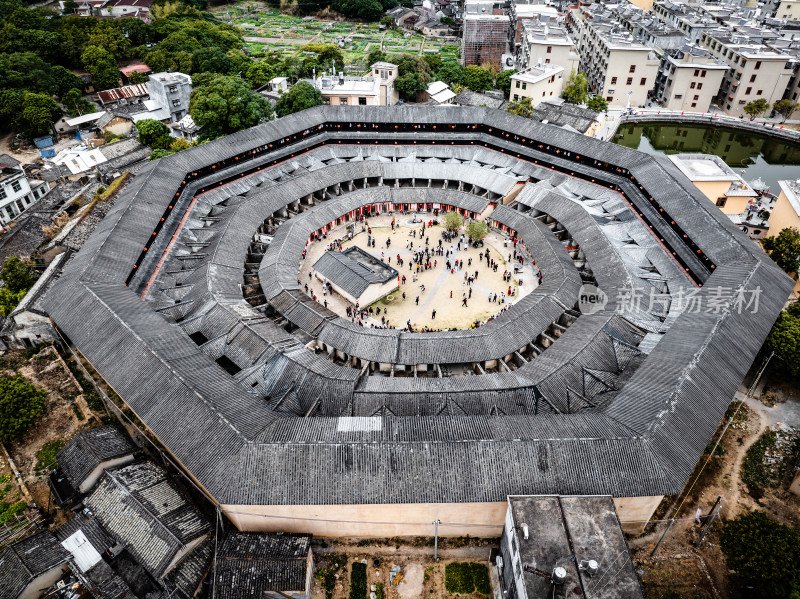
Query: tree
{"points": [[259, 74], [785, 107], [503, 81], [597, 103], [102, 66], [37, 114], [764, 554], [409, 84], [451, 73], [154, 134], [159, 153], [756, 107], [224, 105], [64, 80], [70, 6], [299, 97], [522, 107], [377, 55], [577, 88], [784, 249], [17, 275], [20, 405], [477, 230], [452, 220], [433, 62], [784, 340], [137, 77], [366, 10], [76, 103], [477, 78]]}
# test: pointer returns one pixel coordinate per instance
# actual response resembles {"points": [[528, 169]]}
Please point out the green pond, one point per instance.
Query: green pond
{"points": [[752, 156]]}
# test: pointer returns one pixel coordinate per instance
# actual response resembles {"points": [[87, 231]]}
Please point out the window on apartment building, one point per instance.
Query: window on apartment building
{"points": [[758, 93], [702, 73], [629, 81], [362, 101], [524, 85], [343, 101], [741, 103], [696, 72], [10, 212], [3, 194], [643, 81], [546, 61], [678, 96], [744, 61], [176, 102], [747, 91], [758, 65], [752, 78], [516, 97], [613, 81], [16, 186], [609, 98], [632, 69], [173, 89], [543, 94], [694, 104], [721, 202], [517, 84], [692, 85], [697, 97], [20, 207], [549, 49]]}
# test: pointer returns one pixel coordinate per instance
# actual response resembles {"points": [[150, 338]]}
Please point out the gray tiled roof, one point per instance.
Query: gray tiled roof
{"points": [[642, 437], [250, 564], [346, 273], [24, 560], [88, 449], [142, 509]]}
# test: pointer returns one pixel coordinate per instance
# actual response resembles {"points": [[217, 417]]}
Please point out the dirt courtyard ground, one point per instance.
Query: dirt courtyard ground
{"points": [[438, 282]]}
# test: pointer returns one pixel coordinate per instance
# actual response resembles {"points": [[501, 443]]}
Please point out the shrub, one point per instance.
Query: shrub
{"points": [[755, 474], [358, 581], [46, 456], [20, 405], [463, 578], [480, 576]]}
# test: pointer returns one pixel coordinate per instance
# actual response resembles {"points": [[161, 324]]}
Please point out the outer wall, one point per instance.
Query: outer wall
{"points": [[413, 519]]}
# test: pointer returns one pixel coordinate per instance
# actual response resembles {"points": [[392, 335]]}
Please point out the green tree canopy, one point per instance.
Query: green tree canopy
{"points": [[299, 97], [64, 80], [38, 113], [433, 62], [756, 107], [577, 88], [20, 405], [477, 229], [452, 220], [503, 81], [521, 107], [785, 107], [153, 133], [137, 77], [366, 10], [764, 553], [784, 340], [17, 275], [102, 66], [376, 55], [478, 79], [413, 76], [784, 249], [259, 74], [76, 103], [223, 105], [451, 73], [597, 103]]}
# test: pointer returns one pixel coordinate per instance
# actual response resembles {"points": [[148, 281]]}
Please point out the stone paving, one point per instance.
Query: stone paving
{"points": [[429, 290]]}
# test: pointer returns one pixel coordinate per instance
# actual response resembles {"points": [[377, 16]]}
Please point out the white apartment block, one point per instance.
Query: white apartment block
{"points": [[539, 83], [689, 80], [685, 17], [17, 193], [620, 69], [755, 70], [376, 89], [789, 10], [546, 44]]}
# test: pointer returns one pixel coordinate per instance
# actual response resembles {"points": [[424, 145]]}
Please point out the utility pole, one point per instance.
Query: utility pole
{"points": [[710, 522], [664, 536], [436, 524]]}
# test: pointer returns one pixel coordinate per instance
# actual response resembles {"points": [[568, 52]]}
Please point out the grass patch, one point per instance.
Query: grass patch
{"points": [[464, 578], [755, 473], [77, 411], [358, 581], [46, 456], [327, 575], [8, 512]]}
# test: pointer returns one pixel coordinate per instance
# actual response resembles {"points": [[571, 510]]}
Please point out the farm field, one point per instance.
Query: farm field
{"points": [[268, 30]]}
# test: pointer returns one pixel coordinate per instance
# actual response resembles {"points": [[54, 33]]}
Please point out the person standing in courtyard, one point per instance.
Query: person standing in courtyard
{"points": [[433, 315]]}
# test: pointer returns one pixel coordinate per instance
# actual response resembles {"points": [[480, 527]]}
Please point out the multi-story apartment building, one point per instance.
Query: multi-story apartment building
{"points": [[170, 91], [686, 18], [789, 10], [619, 68], [755, 70], [688, 79], [486, 30], [522, 13], [547, 44], [376, 89], [539, 83], [17, 193], [386, 73]]}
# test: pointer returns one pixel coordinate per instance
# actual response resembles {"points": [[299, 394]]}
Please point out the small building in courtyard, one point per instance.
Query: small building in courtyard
{"points": [[356, 275]]}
